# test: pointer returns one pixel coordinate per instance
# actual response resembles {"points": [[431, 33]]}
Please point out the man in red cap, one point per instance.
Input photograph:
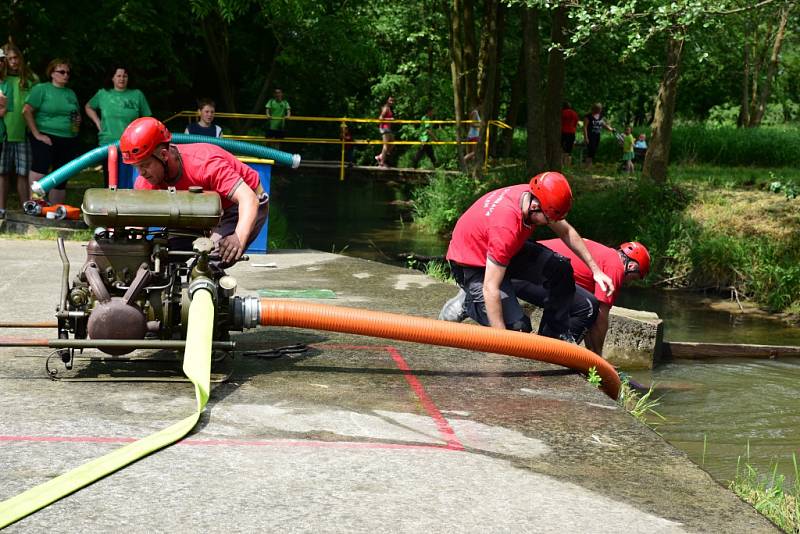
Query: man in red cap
{"points": [[145, 143], [492, 259]]}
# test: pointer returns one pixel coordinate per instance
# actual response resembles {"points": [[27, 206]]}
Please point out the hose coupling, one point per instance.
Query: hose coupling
{"points": [[201, 282]]}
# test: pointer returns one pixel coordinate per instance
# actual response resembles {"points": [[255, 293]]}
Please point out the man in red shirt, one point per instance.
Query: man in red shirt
{"points": [[630, 261], [491, 258], [569, 125], [145, 143]]}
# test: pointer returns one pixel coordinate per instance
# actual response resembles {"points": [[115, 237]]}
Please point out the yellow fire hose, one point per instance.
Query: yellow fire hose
{"points": [[196, 366]]}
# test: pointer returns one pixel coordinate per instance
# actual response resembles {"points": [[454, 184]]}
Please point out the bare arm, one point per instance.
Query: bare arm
{"points": [[596, 336], [574, 241], [29, 113], [3, 104], [491, 294], [232, 247], [93, 116]]}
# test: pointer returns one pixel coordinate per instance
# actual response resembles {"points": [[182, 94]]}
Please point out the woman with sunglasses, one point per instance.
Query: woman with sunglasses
{"points": [[53, 117]]}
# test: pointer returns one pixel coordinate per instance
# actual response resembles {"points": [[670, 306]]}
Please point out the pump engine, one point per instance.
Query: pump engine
{"points": [[148, 255]]}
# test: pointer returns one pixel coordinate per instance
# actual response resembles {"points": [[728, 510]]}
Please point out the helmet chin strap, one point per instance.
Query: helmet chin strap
{"points": [[165, 165]]}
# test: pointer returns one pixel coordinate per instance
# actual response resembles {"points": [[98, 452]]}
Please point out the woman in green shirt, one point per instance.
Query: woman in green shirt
{"points": [[53, 117], [117, 107]]}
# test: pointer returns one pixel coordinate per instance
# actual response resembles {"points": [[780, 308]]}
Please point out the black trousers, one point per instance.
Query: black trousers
{"points": [[537, 275]]}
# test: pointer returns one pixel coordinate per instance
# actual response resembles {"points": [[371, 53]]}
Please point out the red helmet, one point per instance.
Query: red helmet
{"points": [[141, 138], [638, 253], [552, 191]]}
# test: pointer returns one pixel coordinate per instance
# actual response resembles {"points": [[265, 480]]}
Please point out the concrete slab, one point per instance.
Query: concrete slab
{"points": [[356, 435]]}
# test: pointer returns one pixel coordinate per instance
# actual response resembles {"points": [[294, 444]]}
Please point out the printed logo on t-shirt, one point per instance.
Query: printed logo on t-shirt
{"points": [[489, 204]]}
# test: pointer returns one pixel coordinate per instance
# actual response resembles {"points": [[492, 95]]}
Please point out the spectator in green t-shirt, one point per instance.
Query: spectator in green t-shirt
{"points": [[278, 110], [627, 149], [426, 134], [3, 103], [117, 107], [16, 153], [53, 117]]}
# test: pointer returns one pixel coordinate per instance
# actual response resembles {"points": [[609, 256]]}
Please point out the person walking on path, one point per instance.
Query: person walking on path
{"points": [[593, 125], [111, 110], [474, 133], [569, 125], [426, 135], [145, 143], [278, 110], [15, 158], [491, 258], [385, 128], [53, 116], [630, 261]]}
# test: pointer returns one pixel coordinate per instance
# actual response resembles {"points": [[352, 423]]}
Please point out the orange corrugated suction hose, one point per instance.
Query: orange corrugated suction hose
{"points": [[434, 332]]}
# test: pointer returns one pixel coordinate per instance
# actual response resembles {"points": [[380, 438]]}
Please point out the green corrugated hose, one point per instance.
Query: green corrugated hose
{"points": [[99, 154], [196, 365]]}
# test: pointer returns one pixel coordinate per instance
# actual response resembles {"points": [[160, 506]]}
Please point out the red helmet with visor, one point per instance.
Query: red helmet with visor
{"points": [[552, 191], [140, 139], [638, 253]]}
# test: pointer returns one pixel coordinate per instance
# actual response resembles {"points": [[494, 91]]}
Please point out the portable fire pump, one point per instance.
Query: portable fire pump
{"points": [[149, 253]]}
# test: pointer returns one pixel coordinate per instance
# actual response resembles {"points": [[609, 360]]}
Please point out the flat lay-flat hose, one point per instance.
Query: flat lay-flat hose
{"points": [[275, 312]]}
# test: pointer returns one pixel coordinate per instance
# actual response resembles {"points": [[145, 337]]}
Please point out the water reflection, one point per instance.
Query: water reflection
{"points": [[729, 403], [367, 219]]}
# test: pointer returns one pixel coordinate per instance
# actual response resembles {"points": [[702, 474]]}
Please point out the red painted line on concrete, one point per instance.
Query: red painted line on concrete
{"points": [[444, 427], [452, 443], [447, 432], [230, 442], [68, 439]]}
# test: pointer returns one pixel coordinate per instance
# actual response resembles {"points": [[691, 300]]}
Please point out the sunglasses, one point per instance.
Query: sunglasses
{"points": [[538, 209], [62, 71]]}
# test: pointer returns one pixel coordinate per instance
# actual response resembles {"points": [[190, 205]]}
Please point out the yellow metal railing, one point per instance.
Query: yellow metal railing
{"points": [[343, 123]]}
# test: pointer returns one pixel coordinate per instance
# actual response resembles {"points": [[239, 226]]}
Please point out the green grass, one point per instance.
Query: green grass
{"points": [[439, 270], [768, 493], [695, 144]]}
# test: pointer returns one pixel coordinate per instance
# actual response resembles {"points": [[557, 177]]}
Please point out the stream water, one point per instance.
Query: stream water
{"points": [[713, 410]]}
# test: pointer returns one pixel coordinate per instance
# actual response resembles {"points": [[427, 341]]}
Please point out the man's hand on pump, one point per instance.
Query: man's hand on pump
{"points": [[230, 248]]}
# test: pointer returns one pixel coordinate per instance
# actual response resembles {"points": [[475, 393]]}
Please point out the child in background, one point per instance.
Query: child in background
{"points": [[627, 149], [640, 149], [206, 110]]}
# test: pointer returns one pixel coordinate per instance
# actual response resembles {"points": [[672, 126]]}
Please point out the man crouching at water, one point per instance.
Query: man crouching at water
{"points": [[629, 261], [145, 143], [490, 255]]}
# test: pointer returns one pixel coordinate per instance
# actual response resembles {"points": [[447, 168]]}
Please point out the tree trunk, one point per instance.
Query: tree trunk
{"points": [[657, 159], [744, 108], [555, 89], [487, 74], [498, 78], [470, 54], [772, 68], [535, 161], [215, 36], [456, 72], [517, 85]]}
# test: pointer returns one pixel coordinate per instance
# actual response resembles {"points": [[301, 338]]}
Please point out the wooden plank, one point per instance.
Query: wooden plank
{"points": [[702, 351]]}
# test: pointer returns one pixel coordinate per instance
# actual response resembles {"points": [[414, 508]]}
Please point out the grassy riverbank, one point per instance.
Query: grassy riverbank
{"points": [[724, 229]]}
